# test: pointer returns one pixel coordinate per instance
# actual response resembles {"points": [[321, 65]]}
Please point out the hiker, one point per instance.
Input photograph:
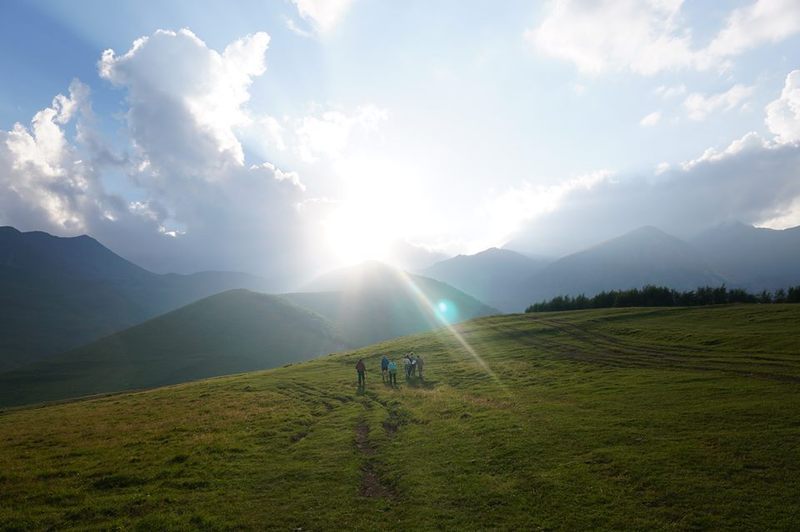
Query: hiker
{"points": [[419, 367], [392, 373], [407, 366], [362, 372], [384, 368], [413, 359]]}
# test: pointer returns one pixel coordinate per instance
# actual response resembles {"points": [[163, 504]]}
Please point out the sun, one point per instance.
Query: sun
{"points": [[380, 204], [356, 234]]}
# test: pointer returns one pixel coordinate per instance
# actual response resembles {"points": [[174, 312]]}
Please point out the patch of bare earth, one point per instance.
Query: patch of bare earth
{"points": [[371, 482]]}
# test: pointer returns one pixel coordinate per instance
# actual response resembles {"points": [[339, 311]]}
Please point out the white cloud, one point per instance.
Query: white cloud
{"points": [[323, 15], [667, 92], [44, 182], [651, 36], [295, 28], [753, 180], [750, 26], [197, 204], [750, 181], [751, 142], [611, 34], [577, 88], [783, 114], [699, 106], [651, 119], [195, 95], [511, 208], [328, 133]]}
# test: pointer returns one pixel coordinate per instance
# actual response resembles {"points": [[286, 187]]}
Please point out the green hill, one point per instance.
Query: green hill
{"points": [[616, 419], [373, 302], [59, 293], [231, 332]]}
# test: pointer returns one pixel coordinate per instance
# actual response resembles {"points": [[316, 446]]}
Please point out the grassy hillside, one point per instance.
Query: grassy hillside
{"points": [[639, 419], [227, 333]]}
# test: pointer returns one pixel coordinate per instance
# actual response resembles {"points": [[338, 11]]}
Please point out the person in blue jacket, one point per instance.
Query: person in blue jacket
{"points": [[385, 368]]}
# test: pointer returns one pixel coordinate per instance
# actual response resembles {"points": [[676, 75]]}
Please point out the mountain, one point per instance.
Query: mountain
{"points": [[410, 257], [231, 332], [59, 293], [751, 257], [644, 256], [373, 302], [493, 275]]}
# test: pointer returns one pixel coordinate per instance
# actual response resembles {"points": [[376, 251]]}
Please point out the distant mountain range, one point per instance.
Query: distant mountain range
{"points": [[231, 332], [372, 302], [737, 255], [493, 275], [641, 257], [751, 257], [77, 319], [58, 293]]}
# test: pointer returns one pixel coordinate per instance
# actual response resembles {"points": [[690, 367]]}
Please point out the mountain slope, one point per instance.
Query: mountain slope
{"points": [[373, 302], [751, 257], [58, 293], [226, 333], [626, 419], [492, 276], [644, 256]]}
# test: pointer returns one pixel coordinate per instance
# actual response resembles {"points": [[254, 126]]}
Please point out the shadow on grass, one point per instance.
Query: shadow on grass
{"points": [[416, 382]]}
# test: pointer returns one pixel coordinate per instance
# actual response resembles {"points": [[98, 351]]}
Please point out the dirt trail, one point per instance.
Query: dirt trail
{"points": [[371, 483]]}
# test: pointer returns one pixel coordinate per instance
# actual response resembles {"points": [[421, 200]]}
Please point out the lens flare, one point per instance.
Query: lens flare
{"points": [[447, 311], [442, 313]]}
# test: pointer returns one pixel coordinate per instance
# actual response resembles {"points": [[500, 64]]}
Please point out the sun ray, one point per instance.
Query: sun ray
{"points": [[438, 318]]}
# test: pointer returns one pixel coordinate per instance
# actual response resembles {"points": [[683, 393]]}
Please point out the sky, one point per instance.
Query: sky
{"points": [[288, 137]]}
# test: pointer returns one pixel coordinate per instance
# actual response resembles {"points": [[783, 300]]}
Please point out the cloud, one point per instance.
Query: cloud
{"points": [[324, 134], [44, 181], [512, 208], [186, 99], [196, 203], [753, 180], [750, 26], [751, 185], [650, 36], [323, 15], [327, 133], [699, 106], [651, 119], [667, 93], [596, 36], [783, 114]]}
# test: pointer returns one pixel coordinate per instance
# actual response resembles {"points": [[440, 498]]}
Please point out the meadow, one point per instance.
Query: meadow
{"points": [[670, 419]]}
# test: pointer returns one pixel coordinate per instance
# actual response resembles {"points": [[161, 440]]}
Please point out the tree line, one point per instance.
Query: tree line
{"points": [[661, 296]]}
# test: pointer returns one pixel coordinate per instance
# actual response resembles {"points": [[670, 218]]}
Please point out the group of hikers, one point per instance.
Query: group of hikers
{"points": [[412, 365]]}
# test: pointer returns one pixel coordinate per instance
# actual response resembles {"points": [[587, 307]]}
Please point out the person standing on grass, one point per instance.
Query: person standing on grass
{"points": [[392, 373], [362, 372], [420, 365], [384, 368]]}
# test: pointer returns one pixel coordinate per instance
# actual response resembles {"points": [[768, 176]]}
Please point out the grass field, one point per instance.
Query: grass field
{"points": [[634, 418]]}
